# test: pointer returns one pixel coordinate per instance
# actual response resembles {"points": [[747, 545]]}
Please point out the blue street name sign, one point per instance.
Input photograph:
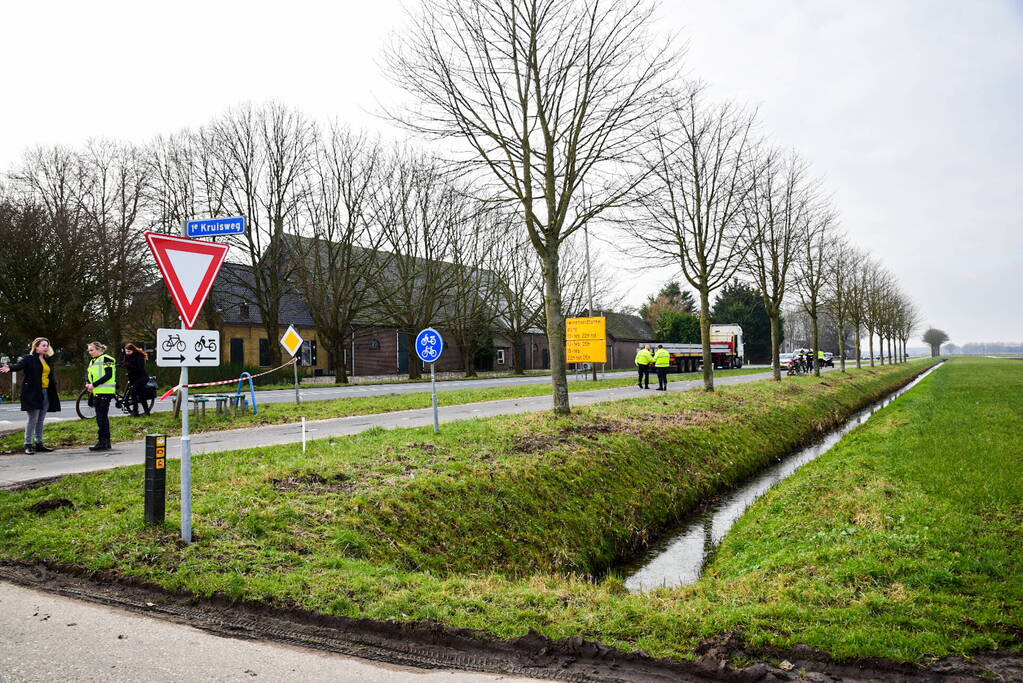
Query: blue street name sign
{"points": [[429, 345], [217, 226]]}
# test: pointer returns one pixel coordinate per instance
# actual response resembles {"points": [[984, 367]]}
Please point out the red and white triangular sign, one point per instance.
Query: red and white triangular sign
{"points": [[189, 268]]}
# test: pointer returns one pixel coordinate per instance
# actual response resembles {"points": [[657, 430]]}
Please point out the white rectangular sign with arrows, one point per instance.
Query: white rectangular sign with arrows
{"points": [[177, 348]]}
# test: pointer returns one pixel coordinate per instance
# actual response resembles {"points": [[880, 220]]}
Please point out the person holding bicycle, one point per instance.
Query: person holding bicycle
{"points": [[38, 391], [102, 383], [135, 363]]}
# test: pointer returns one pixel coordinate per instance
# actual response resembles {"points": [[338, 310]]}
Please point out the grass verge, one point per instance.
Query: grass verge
{"points": [[124, 428], [494, 524]]}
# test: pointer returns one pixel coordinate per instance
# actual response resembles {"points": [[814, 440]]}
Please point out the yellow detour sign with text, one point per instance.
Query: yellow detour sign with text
{"points": [[292, 340], [586, 340]]}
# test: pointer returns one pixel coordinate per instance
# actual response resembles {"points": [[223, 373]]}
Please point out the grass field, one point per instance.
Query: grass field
{"points": [[901, 542], [124, 428]]}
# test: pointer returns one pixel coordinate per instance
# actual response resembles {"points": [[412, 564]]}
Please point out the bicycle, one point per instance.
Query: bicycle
{"points": [[123, 401], [173, 342]]}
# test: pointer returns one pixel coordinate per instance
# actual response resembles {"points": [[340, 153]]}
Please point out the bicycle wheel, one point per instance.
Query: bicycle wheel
{"points": [[212, 346], [124, 400], [82, 407]]}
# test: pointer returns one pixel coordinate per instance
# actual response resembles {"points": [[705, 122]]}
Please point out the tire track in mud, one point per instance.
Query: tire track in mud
{"points": [[433, 646]]}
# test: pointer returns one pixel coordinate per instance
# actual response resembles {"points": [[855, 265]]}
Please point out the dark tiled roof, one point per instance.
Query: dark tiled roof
{"points": [[232, 295], [627, 327]]}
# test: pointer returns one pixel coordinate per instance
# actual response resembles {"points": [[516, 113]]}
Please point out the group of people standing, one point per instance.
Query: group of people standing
{"points": [[660, 360], [39, 388], [803, 361]]}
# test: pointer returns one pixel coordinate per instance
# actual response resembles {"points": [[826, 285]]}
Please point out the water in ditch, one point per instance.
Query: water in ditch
{"points": [[678, 559]]}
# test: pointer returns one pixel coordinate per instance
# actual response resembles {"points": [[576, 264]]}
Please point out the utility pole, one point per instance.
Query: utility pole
{"points": [[589, 285]]}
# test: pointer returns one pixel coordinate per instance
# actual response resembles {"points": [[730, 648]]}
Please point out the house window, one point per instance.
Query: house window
{"points": [[237, 351], [243, 311], [374, 344], [264, 353], [500, 356]]}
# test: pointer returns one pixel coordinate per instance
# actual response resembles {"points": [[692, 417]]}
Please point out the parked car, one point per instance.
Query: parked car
{"points": [[785, 359]]}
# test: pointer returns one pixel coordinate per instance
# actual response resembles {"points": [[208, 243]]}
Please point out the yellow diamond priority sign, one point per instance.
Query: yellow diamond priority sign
{"points": [[292, 340]]}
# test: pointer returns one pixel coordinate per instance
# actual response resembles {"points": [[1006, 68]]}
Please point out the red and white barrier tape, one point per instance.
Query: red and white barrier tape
{"points": [[225, 381]]}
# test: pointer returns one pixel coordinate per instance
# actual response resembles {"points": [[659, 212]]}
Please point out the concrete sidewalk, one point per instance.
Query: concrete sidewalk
{"points": [[21, 468]]}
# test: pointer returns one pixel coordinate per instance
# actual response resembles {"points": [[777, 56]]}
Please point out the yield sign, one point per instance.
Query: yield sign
{"points": [[189, 268]]}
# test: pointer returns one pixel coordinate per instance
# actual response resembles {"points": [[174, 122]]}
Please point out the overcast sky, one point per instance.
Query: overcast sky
{"points": [[911, 111]]}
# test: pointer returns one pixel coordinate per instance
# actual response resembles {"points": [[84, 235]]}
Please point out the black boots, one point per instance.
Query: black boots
{"points": [[28, 449], [101, 446], [42, 448]]}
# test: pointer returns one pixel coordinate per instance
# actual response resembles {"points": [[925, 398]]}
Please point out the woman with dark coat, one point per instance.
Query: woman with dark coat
{"points": [[135, 363], [38, 391]]}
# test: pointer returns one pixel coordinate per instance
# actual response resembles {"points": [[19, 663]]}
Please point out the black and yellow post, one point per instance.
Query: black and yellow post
{"points": [[156, 477]]}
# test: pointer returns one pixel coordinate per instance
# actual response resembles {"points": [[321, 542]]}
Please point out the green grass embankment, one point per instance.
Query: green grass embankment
{"points": [[124, 428], [484, 525], [904, 540]]}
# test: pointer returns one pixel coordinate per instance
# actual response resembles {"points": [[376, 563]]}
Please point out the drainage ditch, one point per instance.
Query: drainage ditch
{"points": [[681, 554]]}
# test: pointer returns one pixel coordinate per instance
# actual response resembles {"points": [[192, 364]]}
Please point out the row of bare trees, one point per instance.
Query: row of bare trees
{"points": [[366, 233], [570, 110]]}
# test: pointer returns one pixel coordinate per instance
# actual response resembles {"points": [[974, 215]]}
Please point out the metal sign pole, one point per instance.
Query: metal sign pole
{"points": [[433, 382], [186, 447], [298, 399]]}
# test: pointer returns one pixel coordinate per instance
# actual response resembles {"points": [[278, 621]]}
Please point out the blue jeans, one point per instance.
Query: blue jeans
{"points": [[34, 426]]}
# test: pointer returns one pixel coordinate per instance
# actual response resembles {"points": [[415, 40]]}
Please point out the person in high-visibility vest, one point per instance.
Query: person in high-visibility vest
{"points": [[644, 359], [820, 358], [662, 361], [102, 384]]}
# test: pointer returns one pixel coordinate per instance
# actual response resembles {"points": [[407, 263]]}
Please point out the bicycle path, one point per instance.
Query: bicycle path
{"points": [[16, 469]]}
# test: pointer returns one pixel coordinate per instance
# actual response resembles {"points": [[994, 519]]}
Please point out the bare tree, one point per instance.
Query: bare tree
{"points": [[260, 158], [774, 213], [418, 212], [693, 208], [840, 299], [48, 185], [909, 319], [113, 200], [473, 301], [336, 266], [870, 283], [814, 267], [550, 98], [521, 299]]}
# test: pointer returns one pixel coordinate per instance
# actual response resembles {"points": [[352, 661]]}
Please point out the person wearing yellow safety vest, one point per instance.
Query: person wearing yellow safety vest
{"points": [[102, 383], [820, 358], [644, 359], [662, 361]]}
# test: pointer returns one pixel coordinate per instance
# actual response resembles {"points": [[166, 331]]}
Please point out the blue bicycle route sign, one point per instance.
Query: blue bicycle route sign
{"points": [[429, 345], [216, 226]]}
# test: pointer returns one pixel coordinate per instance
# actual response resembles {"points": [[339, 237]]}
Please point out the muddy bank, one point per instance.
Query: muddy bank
{"points": [[432, 646]]}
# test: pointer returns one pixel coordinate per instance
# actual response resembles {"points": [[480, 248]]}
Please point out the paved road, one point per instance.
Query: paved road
{"points": [[11, 416], [19, 468], [52, 638]]}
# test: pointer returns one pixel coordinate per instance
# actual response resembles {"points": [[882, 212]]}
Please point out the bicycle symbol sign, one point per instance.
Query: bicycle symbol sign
{"points": [[429, 345], [177, 348]]}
